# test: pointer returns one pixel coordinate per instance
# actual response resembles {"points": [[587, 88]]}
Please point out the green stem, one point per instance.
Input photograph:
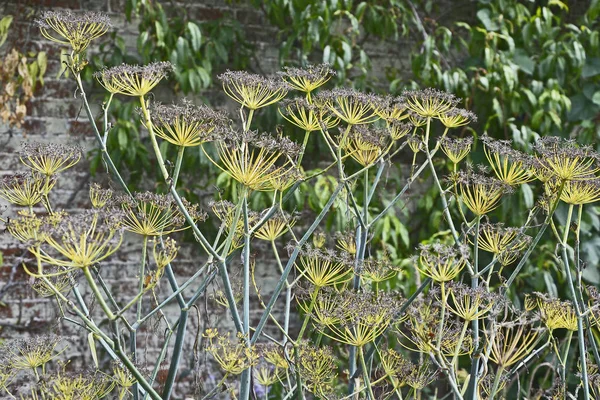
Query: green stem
{"points": [[472, 388], [141, 273], [176, 357], [180, 152], [303, 149], [496, 381], [365, 373], [580, 333], [150, 127], [97, 294]]}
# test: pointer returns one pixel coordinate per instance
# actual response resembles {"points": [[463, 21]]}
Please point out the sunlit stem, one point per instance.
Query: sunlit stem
{"points": [[97, 294], [580, 334], [472, 389], [496, 381], [245, 376], [150, 127], [303, 149], [180, 152], [442, 316], [365, 372], [461, 338]]}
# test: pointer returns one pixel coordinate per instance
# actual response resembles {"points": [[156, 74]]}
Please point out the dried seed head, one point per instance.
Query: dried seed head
{"points": [[187, 124], [510, 166], [253, 91], [565, 159], [78, 30], [456, 149], [480, 193], [430, 103], [308, 78], [49, 159], [306, 116], [349, 105], [25, 189], [456, 117], [133, 80], [100, 197], [440, 262]]}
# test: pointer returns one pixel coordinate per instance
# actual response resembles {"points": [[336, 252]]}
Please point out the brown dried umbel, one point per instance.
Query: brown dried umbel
{"points": [[429, 103]]}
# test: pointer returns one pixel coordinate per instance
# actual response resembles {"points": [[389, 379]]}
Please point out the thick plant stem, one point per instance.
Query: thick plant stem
{"points": [[580, 331], [303, 149], [313, 299], [176, 357], [245, 377], [496, 381], [180, 152], [472, 388], [150, 127], [97, 294], [141, 273], [365, 373]]}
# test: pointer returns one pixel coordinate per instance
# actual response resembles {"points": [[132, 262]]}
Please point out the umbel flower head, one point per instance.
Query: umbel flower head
{"points": [[497, 239], [317, 367], [362, 317], [510, 166], [456, 149], [471, 303], [349, 105], [429, 103], [581, 191], [275, 227], [457, 117], [151, 214], [308, 78], [255, 160], [86, 386], [49, 159], [480, 193], [398, 129], [33, 352], [187, 124], [233, 356], [133, 80], [306, 116], [29, 227], [565, 159], [365, 145], [77, 30], [99, 197], [440, 262], [81, 240], [389, 108], [253, 91], [25, 189], [513, 341], [555, 313], [323, 268]]}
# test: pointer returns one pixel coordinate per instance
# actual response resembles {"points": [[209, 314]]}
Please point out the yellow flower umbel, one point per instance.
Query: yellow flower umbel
{"points": [[77, 387], [440, 262], [456, 149], [323, 313], [470, 304], [275, 227], [66, 27], [429, 103], [317, 367], [99, 197], [480, 193], [512, 342], [457, 117], [309, 78], [81, 240], [31, 227], [362, 318], [556, 314], [581, 191], [25, 189], [256, 160], [323, 268], [366, 146], [510, 166], [346, 242], [233, 356], [397, 129], [49, 159], [377, 271], [253, 91], [34, 352], [351, 106], [133, 80], [389, 108], [306, 116], [151, 214], [496, 239], [565, 160], [185, 125]]}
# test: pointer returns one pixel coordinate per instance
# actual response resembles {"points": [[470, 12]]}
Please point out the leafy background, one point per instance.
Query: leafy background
{"points": [[526, 68]]}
